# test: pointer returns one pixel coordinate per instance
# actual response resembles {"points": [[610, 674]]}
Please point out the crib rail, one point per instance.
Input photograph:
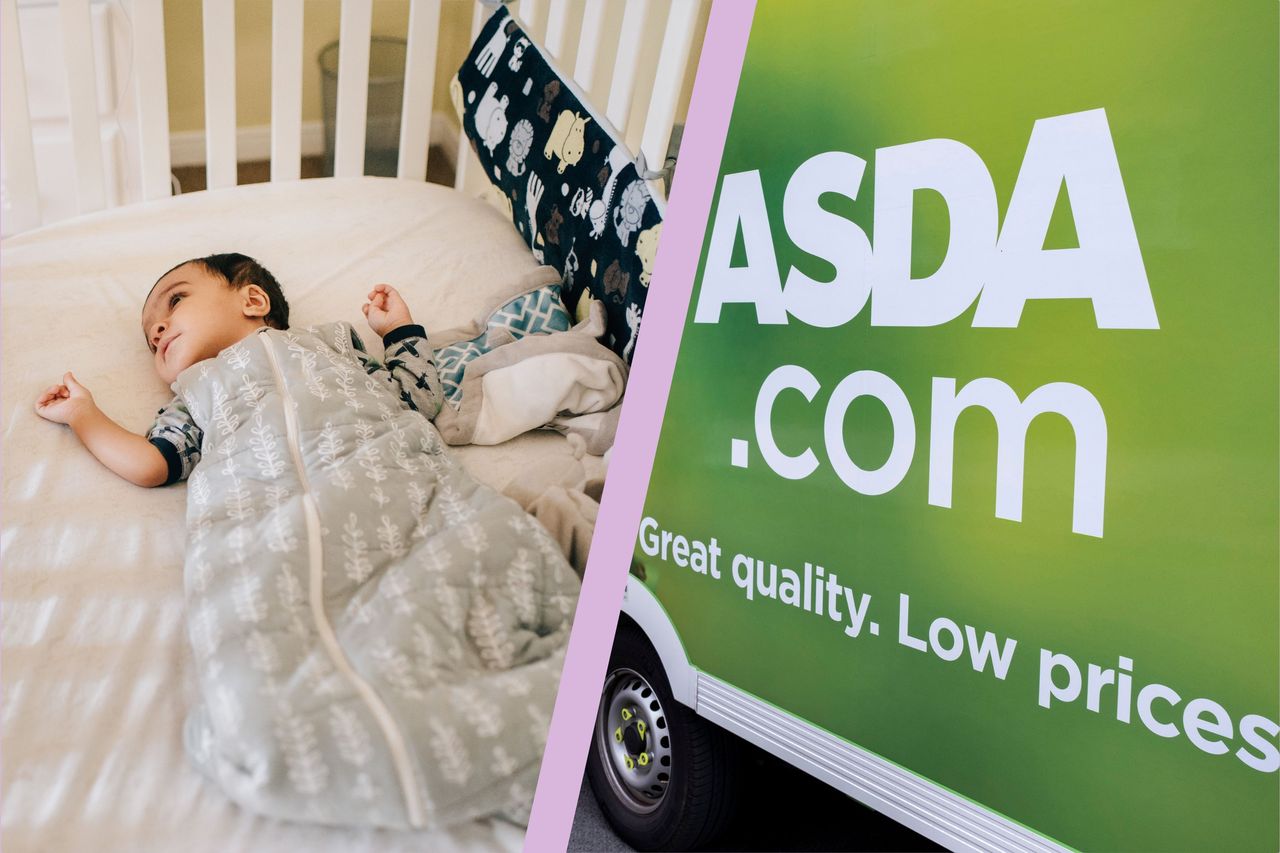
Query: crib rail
{"points": [[649, 43]]}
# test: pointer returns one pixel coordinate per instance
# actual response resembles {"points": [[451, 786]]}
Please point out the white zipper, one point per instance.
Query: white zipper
{"points": [[315, 556]]}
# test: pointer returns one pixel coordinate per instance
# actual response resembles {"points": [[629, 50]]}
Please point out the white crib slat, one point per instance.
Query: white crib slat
{"points": [[584, 71], [532, 13], [355, 31], [419, 89], [86, 134], [286, 90], [676, 42], [627, 64], [153, 97], [465, 155], [557, 27], [220, 93], [15, 129]]}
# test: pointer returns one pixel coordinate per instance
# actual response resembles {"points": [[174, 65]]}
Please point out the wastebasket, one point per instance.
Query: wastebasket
{"points": [[386, 97]]}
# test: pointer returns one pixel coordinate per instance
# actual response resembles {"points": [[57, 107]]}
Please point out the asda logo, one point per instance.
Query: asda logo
{"points": [[998, 265], [1001, 267]]}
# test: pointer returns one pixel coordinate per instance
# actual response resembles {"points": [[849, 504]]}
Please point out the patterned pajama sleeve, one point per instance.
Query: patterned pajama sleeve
{"points": [[409, 370], [178, 438]]}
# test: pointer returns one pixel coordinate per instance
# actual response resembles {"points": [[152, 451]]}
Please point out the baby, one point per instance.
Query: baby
{"points": [[377, 637], [197, 310]]}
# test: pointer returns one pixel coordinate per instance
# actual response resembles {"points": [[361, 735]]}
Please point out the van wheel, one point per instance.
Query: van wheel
{"points": [[664, 777]]}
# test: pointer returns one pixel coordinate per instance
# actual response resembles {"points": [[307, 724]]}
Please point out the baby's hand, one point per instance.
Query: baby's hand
{"points": [[64, 403], [386, 310]]}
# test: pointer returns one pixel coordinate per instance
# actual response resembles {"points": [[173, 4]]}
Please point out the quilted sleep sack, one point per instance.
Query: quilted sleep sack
{"points": [[377, 637]]}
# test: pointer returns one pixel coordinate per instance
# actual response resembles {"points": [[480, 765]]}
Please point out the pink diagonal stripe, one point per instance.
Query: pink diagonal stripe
{"points": [[628, 478]]}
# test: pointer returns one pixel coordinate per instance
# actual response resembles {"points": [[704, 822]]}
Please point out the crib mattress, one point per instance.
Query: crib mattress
{"points": [[94, 661]]}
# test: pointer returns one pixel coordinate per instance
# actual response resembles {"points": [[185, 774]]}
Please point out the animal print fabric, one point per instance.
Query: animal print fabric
{"points": [[377, 637], [569, 184]]}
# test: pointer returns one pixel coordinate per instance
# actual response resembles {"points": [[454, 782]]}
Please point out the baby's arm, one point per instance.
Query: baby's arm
{"points": [[409, 369], [131, 456]]}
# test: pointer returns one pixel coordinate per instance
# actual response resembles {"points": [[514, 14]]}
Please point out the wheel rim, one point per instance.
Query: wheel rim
{"points": [[634, 741]]}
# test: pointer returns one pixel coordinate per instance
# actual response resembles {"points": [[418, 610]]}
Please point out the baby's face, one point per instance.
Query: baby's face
{"points": [[192, 315]]}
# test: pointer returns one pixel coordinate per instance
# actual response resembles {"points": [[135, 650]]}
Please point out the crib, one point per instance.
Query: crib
{"points": [[95, 670]]}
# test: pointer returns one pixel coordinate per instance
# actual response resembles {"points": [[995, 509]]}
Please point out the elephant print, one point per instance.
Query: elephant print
{"points": [[630, 210], [519, 147], [491, 118]]}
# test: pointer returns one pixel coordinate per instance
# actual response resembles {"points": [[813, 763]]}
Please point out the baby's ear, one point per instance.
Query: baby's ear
{"points": [[256, 301]]}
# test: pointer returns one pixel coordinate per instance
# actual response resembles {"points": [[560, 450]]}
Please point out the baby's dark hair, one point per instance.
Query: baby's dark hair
{"points": [[240, 270]]}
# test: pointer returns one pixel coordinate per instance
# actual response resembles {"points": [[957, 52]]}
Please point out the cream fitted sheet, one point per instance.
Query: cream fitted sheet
{"points": [[94, 660]]}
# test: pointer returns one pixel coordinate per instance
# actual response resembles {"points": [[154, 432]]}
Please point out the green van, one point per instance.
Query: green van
{"points": [[967, 496]]}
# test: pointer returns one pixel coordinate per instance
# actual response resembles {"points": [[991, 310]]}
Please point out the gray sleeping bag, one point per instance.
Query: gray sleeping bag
{"points": [[378, 638]]}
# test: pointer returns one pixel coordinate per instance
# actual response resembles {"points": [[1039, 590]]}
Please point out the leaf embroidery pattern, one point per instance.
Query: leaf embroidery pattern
{"points": [[297, 736], [485, 716], [206, 634], [290, 592], [237, 357], [539, 722], [516, 685], [276, 495], [473, 537], [395, 586], [367, 454], [266, 454], [355, 550], [224, 416], [520, 586], [262, 653], [247, 596], [238, 500], [484, 624], [280, 536], [344, 376], [389, 538], [252, 392], [307, 358], [503, 764], [353, 742], [449, 603], [199, 486], [395, 669], [330, 446], [418, 500], [455, 509], [521, 801], [451, 756]]}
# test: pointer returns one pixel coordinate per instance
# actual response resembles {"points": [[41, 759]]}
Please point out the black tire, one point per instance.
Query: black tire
{"points": [[696, 799]]}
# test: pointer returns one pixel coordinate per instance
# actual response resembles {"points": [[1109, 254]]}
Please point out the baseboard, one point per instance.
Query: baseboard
{"points": [[187, 147]]}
